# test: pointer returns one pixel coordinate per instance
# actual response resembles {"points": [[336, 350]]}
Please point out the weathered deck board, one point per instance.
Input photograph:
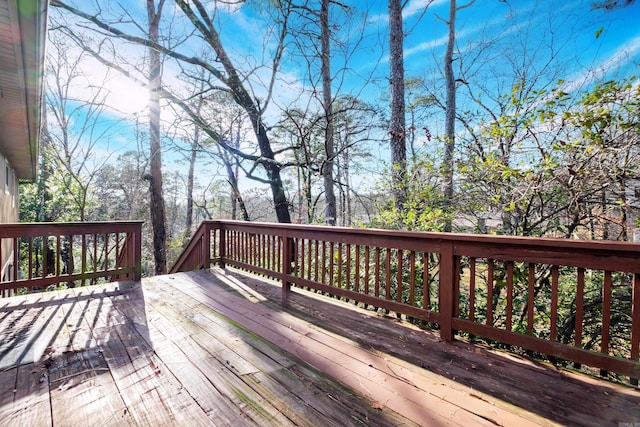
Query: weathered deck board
{"points": [[257, 385], [217, 348], [381, 379], [507, 381]]}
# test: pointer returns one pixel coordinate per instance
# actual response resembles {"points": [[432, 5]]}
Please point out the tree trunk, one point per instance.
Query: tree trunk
{"points": [[449, 142], [190, 181], [235, 195], [242, 97], [195, 145], [397, 125], [327, 101], [158, 220]]}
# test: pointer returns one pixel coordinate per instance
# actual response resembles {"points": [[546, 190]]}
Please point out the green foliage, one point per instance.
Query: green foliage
{"points": [[52, 198], [556, 163], [422, 210]]}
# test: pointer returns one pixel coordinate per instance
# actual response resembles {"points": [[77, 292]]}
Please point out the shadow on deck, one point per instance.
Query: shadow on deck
{"points": [[496, 386], [217, 348]]}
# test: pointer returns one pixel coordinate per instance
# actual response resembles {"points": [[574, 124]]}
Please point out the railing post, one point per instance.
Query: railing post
{"points": [[446, 290], [286, 257], [206, 248], [137, 256], [222, 245], [635, 323]]}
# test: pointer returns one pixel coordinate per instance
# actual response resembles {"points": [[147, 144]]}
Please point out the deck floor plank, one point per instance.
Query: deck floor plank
{"points": [[199, 387], [152, 395], [510, 382], [238, 375], [271, 381], [24, 399], [217, 348], [355, 367], [27, 330], [82, 389]]}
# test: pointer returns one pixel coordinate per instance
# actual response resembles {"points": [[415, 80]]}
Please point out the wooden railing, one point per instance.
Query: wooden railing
{"points": [[39, 256], [575, 301]]}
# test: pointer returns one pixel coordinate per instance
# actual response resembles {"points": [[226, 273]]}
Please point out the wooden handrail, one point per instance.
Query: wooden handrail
{"points": [[46, 254], [507, 289]]}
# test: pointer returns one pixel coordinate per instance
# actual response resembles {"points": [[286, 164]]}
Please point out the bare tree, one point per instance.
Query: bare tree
{"points": [[397, 126], [327, 104], [450, 109], [72, 134], [223, 74], [158, 218]]}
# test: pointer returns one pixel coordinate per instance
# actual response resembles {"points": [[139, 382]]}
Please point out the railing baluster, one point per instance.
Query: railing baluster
{"points": [[377, 273], [339, 284], [635, 327], [332, 272], [412, 278], [309, 259], [399, 276], [367, 255], [324, 263], [387, 279], [44, 253], [579, 308], [456, 286], [509, 313], [606, 315], [426, 288], [553, 332], [315, 266], [531, 281], [106, 251], [347, 268], [303, 248], [472, 289], [16, 260], [58, 255], [356, 280], [490, 278], [30, 254]]}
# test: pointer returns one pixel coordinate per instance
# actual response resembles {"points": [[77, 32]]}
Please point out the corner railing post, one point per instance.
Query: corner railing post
{"points": [[222, 244], [446, 290], [287, 245], [137, 257], [205, 250], [635, 324]]}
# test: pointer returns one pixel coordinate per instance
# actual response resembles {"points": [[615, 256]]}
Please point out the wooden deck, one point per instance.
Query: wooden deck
{"points": [[216, 348]]}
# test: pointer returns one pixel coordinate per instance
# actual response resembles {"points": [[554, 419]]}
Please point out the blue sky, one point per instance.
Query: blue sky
{"points": [[569, 27], [494, 37], [500, 27]]}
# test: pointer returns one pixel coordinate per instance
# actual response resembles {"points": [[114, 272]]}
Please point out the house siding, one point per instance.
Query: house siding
{"points": [[8, 213]]}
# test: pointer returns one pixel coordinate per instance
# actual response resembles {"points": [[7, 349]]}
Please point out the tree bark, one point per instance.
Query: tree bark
{"points": [[449, 142], [199, 16], [327, 102], [397, 125], [242, 97], [193, 156], [158, 218]]}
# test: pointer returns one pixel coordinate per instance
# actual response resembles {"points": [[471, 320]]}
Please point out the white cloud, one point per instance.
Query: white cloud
{"points": [[625, 54], [415, 7]]}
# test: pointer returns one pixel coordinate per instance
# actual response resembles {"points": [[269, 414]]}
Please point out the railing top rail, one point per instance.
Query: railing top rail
{"points": [[65, 224], [193, 244], [475, 239], [32, 229]]}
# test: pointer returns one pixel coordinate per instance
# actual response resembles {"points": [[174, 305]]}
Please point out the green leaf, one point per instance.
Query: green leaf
{"points": [[599, 31]]}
